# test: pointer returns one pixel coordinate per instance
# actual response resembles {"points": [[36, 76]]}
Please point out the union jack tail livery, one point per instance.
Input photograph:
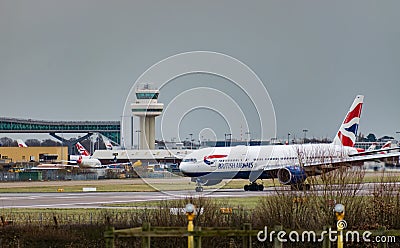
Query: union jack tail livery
{"points": [[82, 151], [346, 136]]}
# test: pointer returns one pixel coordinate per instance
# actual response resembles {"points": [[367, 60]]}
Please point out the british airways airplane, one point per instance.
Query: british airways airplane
{"points": [[290, 164], [85, 159]]}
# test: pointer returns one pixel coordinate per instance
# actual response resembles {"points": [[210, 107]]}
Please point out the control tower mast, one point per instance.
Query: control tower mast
{"points": [[146, 107]]}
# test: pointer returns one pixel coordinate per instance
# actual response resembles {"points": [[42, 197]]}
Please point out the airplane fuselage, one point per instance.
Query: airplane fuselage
{"points": [[241, 161]]}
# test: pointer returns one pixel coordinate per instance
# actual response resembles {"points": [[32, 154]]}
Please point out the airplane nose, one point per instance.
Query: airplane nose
{"points": [[183, 167]]}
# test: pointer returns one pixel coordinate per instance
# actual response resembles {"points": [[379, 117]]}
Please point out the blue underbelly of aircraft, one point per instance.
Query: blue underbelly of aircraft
{"points": [[229, 175]]}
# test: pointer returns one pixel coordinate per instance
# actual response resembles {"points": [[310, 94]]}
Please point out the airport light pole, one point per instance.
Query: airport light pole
{"points": [[248, 137], [225, 138], [305, 135], [130, 131], [226, 135], [191, 141]]}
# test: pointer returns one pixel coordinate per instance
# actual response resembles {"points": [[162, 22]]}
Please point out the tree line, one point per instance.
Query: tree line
{"points": [[6, 141], [372, 138]]}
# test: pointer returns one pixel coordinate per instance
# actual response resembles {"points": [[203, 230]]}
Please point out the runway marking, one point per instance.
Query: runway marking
{"points": [[78, 203]]}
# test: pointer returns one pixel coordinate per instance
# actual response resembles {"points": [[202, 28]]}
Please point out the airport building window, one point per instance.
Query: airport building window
{"points": [[146, 95], [146, 110]]}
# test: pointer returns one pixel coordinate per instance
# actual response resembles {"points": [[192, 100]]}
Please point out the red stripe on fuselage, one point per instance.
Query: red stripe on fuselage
{"points": [[215, 156], [356, 112]]}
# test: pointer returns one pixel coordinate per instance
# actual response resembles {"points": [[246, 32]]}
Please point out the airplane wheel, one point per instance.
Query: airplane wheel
{"points": [[260, 187], [199, 189], [308, 186], [246, 188]]}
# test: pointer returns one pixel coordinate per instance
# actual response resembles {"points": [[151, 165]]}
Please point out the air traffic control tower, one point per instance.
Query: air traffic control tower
{"points": [[146, 107]]}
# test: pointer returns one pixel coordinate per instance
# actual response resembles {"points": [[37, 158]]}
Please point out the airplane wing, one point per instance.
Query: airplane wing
{"points": [[333, 163], [319, 168], [374, 151], [119, 164], [319, 165]]}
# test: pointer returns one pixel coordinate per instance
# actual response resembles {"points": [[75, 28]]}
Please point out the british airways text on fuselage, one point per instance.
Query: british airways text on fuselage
{"points": [[229, 165]]}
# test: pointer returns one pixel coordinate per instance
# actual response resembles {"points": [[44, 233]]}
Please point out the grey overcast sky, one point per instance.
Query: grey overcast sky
{"points": [[77, 60]]}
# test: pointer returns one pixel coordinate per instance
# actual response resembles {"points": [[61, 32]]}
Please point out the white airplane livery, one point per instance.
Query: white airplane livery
{"points": [[85, 160], [290, 164], [88, 162]]}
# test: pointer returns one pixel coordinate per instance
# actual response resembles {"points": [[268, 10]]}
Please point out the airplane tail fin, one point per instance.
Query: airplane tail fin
{"points": [[372, 147], [107, 143], [21, 143], [387, 145], [346, 136], [82, 151]]}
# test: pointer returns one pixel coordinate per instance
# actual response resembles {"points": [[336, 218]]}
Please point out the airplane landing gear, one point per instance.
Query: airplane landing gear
{"points": [[254, 187], [199, 188]]}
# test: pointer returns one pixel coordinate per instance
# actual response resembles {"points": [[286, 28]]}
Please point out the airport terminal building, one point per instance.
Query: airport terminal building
{"points": [[33, 154]]}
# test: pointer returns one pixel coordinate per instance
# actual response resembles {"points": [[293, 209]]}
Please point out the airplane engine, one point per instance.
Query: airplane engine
{"points": [[291, 175], [206, 182]]}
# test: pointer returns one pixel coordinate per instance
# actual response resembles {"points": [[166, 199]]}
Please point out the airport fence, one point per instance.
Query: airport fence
{"points": [[247, 237], [158, 174], [65, 217], [47, 176], [54, 175], [224, 231]]}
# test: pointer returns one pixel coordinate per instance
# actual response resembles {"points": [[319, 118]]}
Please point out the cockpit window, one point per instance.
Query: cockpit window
{"points": [[189, 160]]}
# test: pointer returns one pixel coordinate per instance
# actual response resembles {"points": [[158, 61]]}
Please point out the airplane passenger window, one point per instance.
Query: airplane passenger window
{"points": [[189, 160]]}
